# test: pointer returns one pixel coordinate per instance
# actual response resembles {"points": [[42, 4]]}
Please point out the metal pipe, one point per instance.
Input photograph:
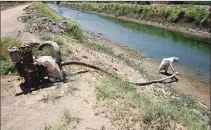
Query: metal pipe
{"points": [[56, 48]]}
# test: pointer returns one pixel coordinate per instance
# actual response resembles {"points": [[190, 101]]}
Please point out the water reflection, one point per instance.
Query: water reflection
{"points": [[202, 47]]}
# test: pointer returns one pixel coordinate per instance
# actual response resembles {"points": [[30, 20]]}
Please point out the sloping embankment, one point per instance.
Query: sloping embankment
{"points": [[188, 19]]}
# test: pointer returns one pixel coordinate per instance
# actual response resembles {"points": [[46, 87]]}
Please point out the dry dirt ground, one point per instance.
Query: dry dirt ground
{"points": [[10, 26], [32, 111], [28, 111]]}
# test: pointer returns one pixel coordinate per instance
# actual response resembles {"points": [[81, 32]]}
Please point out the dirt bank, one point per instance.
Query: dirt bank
{"points": [[75, 104], [187, 84]]}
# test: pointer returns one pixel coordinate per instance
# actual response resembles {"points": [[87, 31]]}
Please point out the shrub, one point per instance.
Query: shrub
{"points": [[76, 31], [56, 39], [6, 66], [44, 8], [7, 42]]}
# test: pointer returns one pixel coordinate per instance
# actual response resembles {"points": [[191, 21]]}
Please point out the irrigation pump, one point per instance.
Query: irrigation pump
{"points": [[25, 63]]}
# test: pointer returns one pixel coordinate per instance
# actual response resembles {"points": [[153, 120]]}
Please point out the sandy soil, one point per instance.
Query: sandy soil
{"points": [[31, 112], [10, 26]]}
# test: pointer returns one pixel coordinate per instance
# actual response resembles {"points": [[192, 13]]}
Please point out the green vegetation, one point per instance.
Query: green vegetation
{"points": [[185, 40], [51, 96], [194, 15], [7, 42], [129, 107], [10, 4], [67, 122], [109, 51], [57, 39], [6, 64], [73, 29], [44, 8], [76, 31]]}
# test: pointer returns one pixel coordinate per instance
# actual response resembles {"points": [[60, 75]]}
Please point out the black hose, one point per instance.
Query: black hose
{"points": [[85, 64], [97, 68]]}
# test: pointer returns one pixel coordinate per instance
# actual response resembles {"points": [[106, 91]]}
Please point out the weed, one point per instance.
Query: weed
{"points": [[66, 122], [123, 98], [51, 96], [10, 4], [67, 118], [57, 39], [6, 66], [7, 42], [170, 13], [76, 31], [46, 37], [47, 51], [47, 127], [44, 8], [73, 28]]}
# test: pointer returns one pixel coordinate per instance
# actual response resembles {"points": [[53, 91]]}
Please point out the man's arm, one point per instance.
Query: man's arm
{"points": [[171, 64]]}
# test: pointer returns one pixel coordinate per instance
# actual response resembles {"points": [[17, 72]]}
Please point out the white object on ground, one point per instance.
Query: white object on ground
{"points": [[52, 67]]}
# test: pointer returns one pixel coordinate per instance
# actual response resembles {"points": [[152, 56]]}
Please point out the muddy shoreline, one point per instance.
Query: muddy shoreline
{"points": [[196, 34]]}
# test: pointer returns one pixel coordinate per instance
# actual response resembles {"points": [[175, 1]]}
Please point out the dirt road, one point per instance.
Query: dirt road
{"points": [[10, 26]]}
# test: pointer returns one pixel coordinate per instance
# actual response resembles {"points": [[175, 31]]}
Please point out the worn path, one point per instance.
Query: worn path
{"points": [[10, 26]]}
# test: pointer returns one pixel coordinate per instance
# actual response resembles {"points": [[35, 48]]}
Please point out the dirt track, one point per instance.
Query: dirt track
{"points": [[10, 26]]}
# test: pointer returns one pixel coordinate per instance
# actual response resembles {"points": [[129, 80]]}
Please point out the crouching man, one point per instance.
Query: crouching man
{"points": [[166, 62]]}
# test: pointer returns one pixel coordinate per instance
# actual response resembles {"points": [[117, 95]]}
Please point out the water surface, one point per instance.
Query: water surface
{"points": [[153, 42]]}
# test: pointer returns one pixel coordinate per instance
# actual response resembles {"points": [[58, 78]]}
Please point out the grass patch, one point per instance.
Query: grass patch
{"points": [[6, 64], [10, 4], [67, 117], [7, 42], [67, 121], [168, 13], [73, 28], [109, 51], [128, 107], [70, 89], [45, 9], [57, 39], [51, 96], [76, 31]]}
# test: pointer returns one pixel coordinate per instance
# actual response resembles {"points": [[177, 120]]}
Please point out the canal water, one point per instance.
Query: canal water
{"points": [[153, 42]]}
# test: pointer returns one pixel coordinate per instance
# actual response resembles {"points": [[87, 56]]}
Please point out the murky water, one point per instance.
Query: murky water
{"points": [[153, 42]]}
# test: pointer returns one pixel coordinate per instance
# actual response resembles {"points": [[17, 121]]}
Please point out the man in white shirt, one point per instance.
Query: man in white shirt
{"points": [[166, 62]]}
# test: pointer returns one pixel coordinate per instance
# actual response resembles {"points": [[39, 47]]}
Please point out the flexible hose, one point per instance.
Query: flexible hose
{"points": [[97, 68]]}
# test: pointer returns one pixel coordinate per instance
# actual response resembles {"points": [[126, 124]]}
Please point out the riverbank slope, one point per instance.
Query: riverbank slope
{"points": [[192, 20], [91, 99]]}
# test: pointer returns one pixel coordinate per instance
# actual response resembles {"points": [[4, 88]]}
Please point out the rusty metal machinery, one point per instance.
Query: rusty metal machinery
{"points": [[32, 73]]}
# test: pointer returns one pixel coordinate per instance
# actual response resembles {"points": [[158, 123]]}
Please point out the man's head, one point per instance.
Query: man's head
{"points": [[176, 59]]}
